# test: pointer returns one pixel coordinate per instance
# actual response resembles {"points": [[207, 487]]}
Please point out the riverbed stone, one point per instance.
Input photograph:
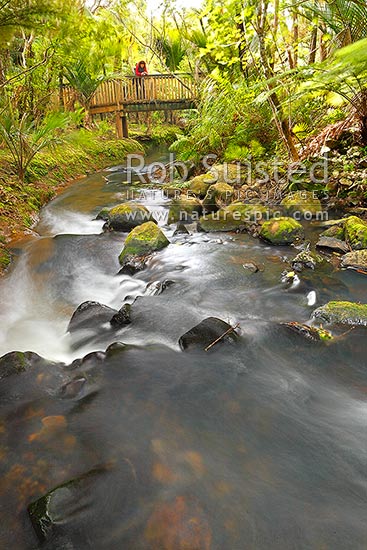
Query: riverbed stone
{"points": [[356, 233], [218, 195], [335, 231], [232, 174], [205, 333], [332, 244], [303, 202], [356, 260], [142, 241], [306, 259], [16, 362], [282, 231], [128, 215], [199, 185], [184, 209], [315, 334], [89, 315], [343, 313], [122, 317], [103, 214]]}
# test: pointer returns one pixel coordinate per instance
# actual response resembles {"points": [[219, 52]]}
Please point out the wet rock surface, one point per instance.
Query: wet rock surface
{"points": [[205, 333], [344, 313]]}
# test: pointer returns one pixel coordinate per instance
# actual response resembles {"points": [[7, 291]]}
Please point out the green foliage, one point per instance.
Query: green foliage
{"points": [[25, 138], [228, 124]]}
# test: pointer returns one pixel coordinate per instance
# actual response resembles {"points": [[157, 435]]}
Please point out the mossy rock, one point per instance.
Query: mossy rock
{"points": [[233, 174], [342, 313], [199, 185], [128, 215], [306, 259], [356, 233], [218, 195], [355, 260], [249, 212], [220, 221], [335, 232], [184, 209], [282, 231], [103, 214], [143, 240], [303, 202]]}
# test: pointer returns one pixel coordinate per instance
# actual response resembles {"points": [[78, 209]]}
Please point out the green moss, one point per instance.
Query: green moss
{"points": [[199, 185], [5, 258], [356, 232], [335, 231], [184, 209], [281, 231], [344, 313], [229, 173], [304, 202], [143, 240]]}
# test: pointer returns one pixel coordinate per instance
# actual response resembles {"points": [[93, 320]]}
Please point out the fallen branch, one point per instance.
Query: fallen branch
{"points": [[231, 329]]}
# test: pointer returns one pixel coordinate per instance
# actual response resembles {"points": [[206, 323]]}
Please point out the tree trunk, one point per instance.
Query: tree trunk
{"points": [[313, 46]]}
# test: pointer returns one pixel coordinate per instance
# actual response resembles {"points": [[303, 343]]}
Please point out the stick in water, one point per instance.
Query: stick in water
{"points": [[231, 329]]}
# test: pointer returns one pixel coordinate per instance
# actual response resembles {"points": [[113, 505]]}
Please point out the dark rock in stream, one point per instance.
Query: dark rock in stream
{"points": [[205, 333], [89, 314], [17, 362], [181, 229], [75, 513], [132, 264], [122, 317], [332, 244]]}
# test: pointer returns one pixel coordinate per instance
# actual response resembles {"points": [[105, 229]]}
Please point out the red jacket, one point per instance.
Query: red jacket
{"points": [[139, 70]]}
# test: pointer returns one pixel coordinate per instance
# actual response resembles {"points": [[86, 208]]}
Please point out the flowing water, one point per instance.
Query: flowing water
{"points": [[254, 445]]}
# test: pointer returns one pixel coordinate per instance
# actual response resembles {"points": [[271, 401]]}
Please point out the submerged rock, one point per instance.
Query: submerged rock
{"points": [[282, 231], [184, 209], [303, 202], [343, 313], [356, 260], [126, 216], [142, 241], [218, 195], [332, 244], [356, 233], [205, 333]]}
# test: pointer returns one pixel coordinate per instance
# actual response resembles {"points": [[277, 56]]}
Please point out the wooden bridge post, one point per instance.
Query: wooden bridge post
{"points": [[122, 129]]}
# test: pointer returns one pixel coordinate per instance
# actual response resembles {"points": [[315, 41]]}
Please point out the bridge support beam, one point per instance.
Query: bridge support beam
{"points": [[122, 129]]}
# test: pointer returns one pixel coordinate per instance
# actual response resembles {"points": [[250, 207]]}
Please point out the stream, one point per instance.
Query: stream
{"points": [[254, 445]]}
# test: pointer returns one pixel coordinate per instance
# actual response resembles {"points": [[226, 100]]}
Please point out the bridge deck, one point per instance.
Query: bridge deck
{"points": [[134, 94]]}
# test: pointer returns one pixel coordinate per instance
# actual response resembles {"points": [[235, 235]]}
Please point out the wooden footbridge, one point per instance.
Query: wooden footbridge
{"points": [[130, 94]]}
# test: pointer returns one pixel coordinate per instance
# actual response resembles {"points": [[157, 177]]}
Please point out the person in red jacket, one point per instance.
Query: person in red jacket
{"points": [[140, 71]]}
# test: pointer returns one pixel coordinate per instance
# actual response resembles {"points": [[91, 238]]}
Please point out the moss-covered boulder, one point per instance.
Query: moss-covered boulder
{"points": [[356, 233], [220, 221], [184, 209], [199, 185], [171, 192], [233, 174], [16, 362], [282, 231], [303, 202], [128, 215], [218, 195], [335, 232], [249, 212], [103, 214], [342, 313], [306, 259], [143, 240], [315, 334], [355, 260]]}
